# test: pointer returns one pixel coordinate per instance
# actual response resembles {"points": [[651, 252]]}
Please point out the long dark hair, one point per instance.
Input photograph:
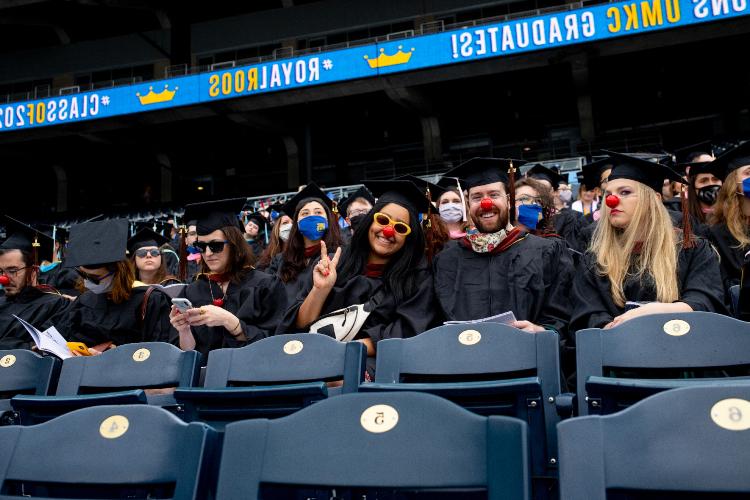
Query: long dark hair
{"points": [[694, 205], [399, 274], [275, 246], [241, 258], [294, 251]]}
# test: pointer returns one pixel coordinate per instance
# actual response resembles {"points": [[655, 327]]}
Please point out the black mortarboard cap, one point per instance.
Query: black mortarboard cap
{"points": [[732, 159], [100, 242], [362, 192], [481, 171], [403, 193], [649, 173], [591, 174], [145, 238], [213, 215], [704, 167], [435, 190], [310, 191], [20, 236], [539, 171], [684, 155]]}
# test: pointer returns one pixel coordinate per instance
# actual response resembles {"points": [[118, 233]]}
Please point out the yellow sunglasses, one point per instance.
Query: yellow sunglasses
{"points": [[400, 227]]}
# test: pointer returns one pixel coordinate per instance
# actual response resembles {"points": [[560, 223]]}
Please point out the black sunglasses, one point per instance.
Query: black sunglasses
{"points": [[142, 252], [94, 279], [216, 246]]}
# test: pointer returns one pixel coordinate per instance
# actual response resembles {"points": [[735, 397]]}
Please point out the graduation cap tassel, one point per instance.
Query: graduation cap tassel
{"points": [[687, 240], [512, 193], [183, 254], [54, 239], [35, 250], [265, 232]]}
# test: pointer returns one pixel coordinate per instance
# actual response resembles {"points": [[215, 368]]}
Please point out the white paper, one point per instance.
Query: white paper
{"points": [[49, 340], [505, 318]]}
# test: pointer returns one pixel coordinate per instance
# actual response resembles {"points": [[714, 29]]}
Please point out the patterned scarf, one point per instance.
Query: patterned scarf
{"points": [[491, 242]]}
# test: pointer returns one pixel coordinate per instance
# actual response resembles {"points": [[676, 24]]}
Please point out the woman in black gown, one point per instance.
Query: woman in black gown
{"points": [[384, 264], [233, 304], [115, 307], [638, 263]]}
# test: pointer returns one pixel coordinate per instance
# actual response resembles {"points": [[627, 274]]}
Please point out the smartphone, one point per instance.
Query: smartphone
{"points": [[182, 304]]}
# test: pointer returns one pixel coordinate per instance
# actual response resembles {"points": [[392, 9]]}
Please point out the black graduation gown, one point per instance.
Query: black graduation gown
{"points": [[35, 305], [94, 319], [569, 224], [257, 246], [389, 319], [531, 278], [697, 278], [304, 278], [258, 301], [732, 255], [63, 279]]}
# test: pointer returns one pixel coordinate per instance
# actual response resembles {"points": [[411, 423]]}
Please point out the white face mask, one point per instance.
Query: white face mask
{"points": [[284, 231], [566, 195], [451, 212]]}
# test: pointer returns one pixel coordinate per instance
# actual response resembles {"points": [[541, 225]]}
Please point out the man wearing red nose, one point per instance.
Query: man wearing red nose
{"points": [[497, 267], [18, 276]]}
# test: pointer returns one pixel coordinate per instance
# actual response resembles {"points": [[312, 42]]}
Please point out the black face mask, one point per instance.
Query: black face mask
{"points": [[707, 194], [356, 220]]}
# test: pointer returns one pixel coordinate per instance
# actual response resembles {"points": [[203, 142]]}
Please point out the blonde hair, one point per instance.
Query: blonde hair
{"points": [[728, 210], [651, 227]]}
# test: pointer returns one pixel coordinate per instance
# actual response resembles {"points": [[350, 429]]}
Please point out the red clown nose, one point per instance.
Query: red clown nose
{"points": [[218, 302], [389, 232], [612, 201], [486, 204], [4, 280]]}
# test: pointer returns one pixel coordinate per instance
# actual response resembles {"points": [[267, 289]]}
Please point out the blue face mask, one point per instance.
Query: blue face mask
{"points": [[313, 227], [746, 187], [529, 215]]}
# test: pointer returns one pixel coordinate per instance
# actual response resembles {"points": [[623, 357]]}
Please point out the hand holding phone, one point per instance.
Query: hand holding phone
{"points": [[182, 304]]}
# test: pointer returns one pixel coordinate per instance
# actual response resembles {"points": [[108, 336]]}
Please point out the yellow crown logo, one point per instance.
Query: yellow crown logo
{"points": [[383, 60], [165, 95]]}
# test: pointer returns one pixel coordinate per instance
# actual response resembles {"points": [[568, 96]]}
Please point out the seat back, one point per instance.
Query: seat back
{"points": [[286, 359], [378, 440], [455, 352], [108, 452], [693, 439], [26, 372], [683, 341], [488, 368], [130, 366]]}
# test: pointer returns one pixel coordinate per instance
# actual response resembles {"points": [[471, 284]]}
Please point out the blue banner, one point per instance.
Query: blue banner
{"points": [[600, 22]]}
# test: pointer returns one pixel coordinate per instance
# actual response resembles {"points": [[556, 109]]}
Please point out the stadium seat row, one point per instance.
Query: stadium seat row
{"points": [[383, 445]]}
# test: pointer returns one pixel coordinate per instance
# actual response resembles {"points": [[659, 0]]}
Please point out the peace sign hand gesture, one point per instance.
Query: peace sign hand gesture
{"points": [[324, 273]]}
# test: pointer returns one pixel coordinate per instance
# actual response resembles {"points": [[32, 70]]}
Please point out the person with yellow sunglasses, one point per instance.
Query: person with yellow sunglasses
{"points": [[383, 269]]}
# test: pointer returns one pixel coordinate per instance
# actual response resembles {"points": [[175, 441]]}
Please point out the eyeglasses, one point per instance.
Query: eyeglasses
{"points": [[400, 227], [529, 200], [94, 279], [11, 271], [142, 252], [192, 233], [216, 246]]}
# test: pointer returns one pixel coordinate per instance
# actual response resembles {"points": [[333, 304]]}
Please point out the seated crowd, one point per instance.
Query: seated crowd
{"points": [[409, 254]]}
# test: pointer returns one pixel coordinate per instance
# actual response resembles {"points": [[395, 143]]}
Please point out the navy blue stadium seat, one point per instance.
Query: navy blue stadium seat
{"points": [[273, 377], [690, 443], [488, 368], [131, 451], [385, 441], [24, 372], [118, 376], [649, 354]]}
